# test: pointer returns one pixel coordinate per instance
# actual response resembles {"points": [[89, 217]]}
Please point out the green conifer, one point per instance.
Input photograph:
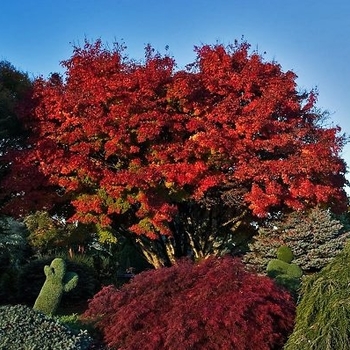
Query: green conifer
{"points": [[323, 317], [315, 238]]}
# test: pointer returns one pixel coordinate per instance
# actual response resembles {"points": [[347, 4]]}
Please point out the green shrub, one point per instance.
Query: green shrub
{"points": [[24, 328], [110, 262], [285, 254], [31, 279], [7, 279], [74, 322], [58, 280], [283, 271], [323, 313], [47, 233]]}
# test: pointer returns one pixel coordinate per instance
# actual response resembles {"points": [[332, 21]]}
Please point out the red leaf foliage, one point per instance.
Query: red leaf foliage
{"points": [[116, 135], [215, 304]]}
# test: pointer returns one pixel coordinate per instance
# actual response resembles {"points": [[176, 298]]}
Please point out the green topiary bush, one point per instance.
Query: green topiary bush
{"points": [[283, 271], [74, 322], [285, 254], [24, 328], [31, 279], [58, 281]]}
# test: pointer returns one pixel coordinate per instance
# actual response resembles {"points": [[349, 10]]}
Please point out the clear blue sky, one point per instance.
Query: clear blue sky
{"points": [[310, 37]]}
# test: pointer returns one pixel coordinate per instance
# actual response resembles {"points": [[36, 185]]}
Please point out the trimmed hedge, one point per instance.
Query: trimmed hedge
{"points": [[23, 328]]}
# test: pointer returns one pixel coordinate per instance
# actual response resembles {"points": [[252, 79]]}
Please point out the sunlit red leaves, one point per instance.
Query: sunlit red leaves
{"points": [[150, 137]]}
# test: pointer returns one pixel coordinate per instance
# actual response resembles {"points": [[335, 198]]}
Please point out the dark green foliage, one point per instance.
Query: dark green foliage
{"points": [[31, 279], [12, 240], [112, 261], [58, 281], [128, 257], [14, 86], [315, 238], [5, 277], [12, 253], [323, 314], [74, 322], [24, 328], [8, 280], [88, 282], [211, 305], [106, 268]]}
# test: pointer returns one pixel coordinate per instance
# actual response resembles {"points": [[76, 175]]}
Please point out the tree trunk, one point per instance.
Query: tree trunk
{"points": [[197, 234]]}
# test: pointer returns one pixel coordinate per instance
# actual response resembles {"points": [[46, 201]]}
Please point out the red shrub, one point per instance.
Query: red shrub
{"points": [[212, 305]]}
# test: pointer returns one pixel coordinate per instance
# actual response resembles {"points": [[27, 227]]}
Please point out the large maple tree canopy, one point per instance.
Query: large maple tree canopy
{"points": [[116, 136]]}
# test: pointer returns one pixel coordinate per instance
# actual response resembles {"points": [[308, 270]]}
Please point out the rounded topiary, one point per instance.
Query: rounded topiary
{"points": [[283, 271], [215, 304], [294, 271], [24, 328], [285, 254]]}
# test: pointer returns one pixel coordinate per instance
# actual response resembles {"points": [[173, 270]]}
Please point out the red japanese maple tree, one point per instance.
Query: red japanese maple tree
{"points": [[215, 304], [137, 144]]}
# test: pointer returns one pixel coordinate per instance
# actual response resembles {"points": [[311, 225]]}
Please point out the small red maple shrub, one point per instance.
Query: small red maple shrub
{"points": [[215, 304]]}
